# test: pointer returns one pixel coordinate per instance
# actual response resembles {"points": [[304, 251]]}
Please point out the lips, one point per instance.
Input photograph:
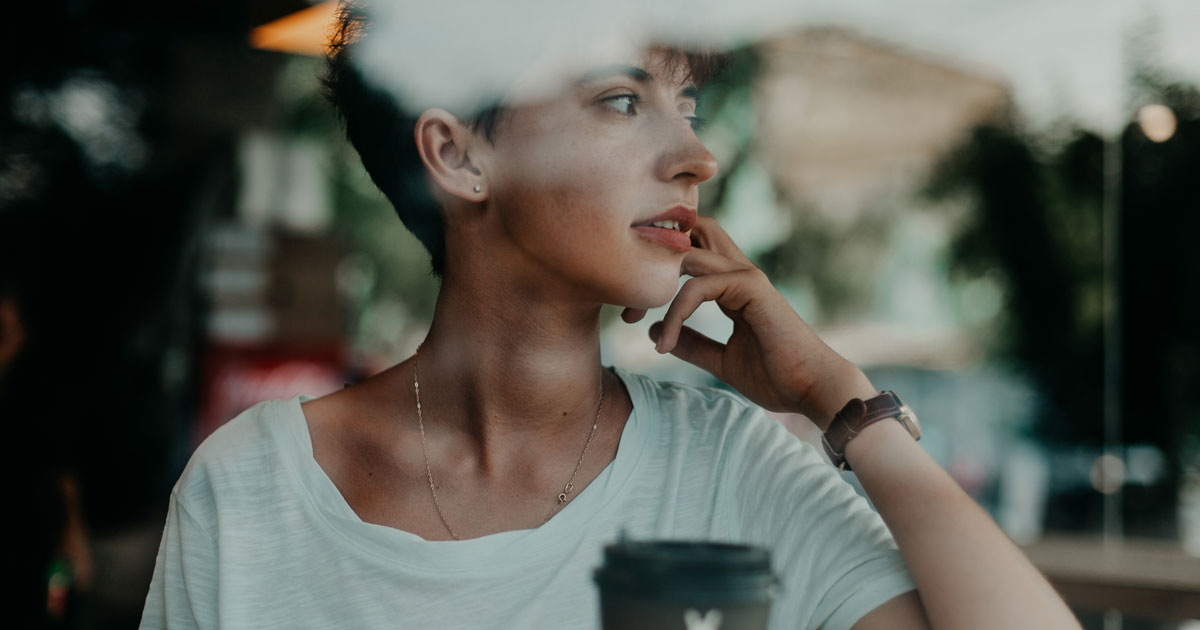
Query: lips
{"points": [[683, 215], [670, 228]]}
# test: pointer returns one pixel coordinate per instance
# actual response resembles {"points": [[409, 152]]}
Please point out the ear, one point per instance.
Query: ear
{"points": [[446, 146]]}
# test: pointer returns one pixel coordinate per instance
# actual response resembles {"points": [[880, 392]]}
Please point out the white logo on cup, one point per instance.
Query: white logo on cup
{"points": [[711, 620]]}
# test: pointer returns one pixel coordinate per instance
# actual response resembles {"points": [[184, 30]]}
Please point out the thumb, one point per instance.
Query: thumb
{"points": [[695, 348]]}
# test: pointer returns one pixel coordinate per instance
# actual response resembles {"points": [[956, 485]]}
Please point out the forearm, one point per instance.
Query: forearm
{"points": [[968, 573]]}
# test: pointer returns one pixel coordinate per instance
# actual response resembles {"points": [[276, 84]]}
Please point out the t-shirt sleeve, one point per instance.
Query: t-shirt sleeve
{"points": [[183, 591], [836, 559]]}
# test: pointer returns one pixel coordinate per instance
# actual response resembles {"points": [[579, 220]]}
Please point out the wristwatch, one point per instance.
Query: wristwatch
{"points": [[857, 415]]}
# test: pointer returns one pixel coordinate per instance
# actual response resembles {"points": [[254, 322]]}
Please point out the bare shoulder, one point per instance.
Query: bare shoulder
{"points": [[361, 440], [324, 412], [352, 424], [352, 404]]}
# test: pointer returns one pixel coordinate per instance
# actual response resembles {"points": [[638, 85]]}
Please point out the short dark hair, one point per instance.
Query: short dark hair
{"points": [[381, 130]]}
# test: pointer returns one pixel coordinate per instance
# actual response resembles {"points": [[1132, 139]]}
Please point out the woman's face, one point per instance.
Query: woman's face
{"points": [[577, 178]]}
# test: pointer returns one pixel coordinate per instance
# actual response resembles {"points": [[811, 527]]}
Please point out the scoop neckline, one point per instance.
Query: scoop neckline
{"points": [[498, 551]]}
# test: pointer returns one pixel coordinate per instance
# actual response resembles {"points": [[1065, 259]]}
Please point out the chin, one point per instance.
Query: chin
{"points": [[656, 290]]}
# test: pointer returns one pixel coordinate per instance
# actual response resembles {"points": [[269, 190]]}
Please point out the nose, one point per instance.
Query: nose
{"points": [[686, 158]]}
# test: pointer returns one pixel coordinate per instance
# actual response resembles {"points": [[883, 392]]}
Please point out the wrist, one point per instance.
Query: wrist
{"points": [[858, 417], [869, 443], [838, 391]]}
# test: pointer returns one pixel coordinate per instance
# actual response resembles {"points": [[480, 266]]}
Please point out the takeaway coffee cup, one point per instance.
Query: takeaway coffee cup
{"points": [[672, 585]]}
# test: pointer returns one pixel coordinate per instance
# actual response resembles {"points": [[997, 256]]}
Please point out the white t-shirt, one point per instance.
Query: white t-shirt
{"points": [[258, 537]]}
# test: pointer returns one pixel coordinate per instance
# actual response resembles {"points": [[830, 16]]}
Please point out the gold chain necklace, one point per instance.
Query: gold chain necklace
{"points": [[562, 496]]}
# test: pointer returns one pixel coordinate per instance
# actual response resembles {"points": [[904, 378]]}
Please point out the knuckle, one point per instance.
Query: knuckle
{"points": [[754, 274], [692, 287]]}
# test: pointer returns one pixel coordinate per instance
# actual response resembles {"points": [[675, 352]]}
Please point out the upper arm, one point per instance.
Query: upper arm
{"points": [[837, 560], [902, 612], [183, 591]]}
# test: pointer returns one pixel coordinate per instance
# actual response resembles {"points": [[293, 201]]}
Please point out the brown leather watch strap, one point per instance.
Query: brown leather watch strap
{"points": [[856, 416]]}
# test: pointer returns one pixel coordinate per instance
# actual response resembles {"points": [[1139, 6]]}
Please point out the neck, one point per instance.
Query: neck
{"points": [[508, 367]]}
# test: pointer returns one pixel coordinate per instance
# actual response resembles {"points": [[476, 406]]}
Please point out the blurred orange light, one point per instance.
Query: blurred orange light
{"points": [[305, 32]]}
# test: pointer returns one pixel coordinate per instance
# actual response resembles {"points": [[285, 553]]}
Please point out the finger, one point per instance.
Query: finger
{"points": [[727, 289], [711, 236], [633, 315], [703, 262], [696, 348], [691, 295]]}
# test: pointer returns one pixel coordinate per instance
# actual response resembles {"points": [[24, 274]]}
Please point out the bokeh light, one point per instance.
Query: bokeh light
{"points": [[1157, 122]]}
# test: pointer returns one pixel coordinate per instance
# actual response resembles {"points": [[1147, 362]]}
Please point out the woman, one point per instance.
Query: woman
{"points": [[474, 484]]}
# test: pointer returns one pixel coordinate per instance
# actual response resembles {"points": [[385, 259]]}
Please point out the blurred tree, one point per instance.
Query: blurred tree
{"points": [[394, 291], [1036, 219], [1160, 274], [837, 263], [1032, 228]]}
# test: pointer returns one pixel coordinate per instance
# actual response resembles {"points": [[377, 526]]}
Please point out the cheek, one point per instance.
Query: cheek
{"points": [[567, 201], [546, 205], [566, 188], [572, 234], [568, 164]]}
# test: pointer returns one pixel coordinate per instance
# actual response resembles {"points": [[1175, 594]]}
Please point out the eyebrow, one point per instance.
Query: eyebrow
{"points": [[637, 74]]}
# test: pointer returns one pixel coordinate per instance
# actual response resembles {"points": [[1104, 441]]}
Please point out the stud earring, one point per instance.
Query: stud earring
{"points": [[478, 188]]}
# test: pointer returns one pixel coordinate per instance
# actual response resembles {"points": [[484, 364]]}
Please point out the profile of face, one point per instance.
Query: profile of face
{"points": [[574, 181]]}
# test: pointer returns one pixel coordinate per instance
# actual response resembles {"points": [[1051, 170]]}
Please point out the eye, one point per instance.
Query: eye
{"points": [[625, 104], [688, 109]]}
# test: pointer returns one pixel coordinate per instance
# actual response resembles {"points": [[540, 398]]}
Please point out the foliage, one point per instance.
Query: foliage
{"points": [[396, 290], [1037, 222]]}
